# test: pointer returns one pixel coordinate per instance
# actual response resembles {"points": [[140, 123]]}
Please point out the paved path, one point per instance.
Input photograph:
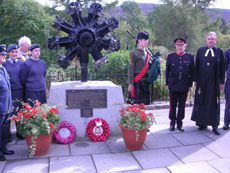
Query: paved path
{"points": [[163, 152]]}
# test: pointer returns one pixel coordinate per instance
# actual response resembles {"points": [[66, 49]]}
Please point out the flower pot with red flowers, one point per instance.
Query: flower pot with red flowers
{"points": [[37, 124], [134, 125]]}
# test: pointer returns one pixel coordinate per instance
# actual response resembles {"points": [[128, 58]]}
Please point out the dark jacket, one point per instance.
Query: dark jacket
{"points": [[200, 64], [5, 92], [179, 72]]}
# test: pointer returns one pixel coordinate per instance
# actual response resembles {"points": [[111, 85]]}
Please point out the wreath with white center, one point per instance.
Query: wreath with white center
{"points": [[97, 130], [65, 134]]}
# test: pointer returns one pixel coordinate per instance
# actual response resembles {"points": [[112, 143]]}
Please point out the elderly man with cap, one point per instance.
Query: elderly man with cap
{"points": [[179, 79], [13, 66], [5, 106], [24, 43], [32, 75], [209, 80], [138, 71]]}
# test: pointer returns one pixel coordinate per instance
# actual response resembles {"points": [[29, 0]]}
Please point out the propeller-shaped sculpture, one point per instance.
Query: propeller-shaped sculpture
{"points": [[85, 35]]}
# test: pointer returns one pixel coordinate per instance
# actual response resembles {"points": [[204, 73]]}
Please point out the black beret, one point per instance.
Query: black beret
{"points": [[179, 41], [143, 35], [12, 47], [3, 49], [33, 46]]}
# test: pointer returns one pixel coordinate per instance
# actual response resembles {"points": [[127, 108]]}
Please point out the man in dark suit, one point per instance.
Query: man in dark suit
{"points": [[209, 80], [179, 78], [5, 106]]}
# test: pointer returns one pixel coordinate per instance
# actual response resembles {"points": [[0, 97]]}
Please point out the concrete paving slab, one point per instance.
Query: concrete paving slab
{"points": [[24, 166], [161, 141], [21, 152], [190, 138], [221, 165], [156, 158], [115, 162], [72, 164], [221, 148], [159, 129], [156, 170], [2, 166], [21, 142], [116, 144], [224, 135], [193, 153], [88, 147], [193, 168]]}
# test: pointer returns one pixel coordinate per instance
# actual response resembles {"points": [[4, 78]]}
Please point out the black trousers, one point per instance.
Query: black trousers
{"points": [[4, 131], [32, 96], [177, 98]]}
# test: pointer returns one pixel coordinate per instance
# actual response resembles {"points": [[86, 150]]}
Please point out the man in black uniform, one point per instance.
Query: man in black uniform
{"points": [[179, 78], [209, 80]]}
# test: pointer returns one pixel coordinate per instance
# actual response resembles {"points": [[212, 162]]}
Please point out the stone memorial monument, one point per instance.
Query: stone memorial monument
{"points": [[81, 101]]}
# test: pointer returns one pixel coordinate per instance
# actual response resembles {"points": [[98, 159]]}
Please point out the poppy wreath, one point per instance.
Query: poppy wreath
{"points": [[70, 138], [97, 130]]}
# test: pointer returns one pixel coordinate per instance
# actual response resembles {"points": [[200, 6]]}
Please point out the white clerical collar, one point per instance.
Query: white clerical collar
{"points": [[212, 52]]}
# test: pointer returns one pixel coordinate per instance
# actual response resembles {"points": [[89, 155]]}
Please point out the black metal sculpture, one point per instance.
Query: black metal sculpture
{"points": [[85, 35]]}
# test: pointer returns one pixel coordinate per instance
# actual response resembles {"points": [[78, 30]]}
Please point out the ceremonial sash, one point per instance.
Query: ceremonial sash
{"points": [[141, 74]]}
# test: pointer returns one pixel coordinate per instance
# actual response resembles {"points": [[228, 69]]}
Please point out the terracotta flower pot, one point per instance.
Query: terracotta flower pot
{"points": [[42, 144], [133, 140]]}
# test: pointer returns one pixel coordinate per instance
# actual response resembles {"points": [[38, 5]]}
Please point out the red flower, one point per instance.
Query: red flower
{"points": [[150, 114], [52, 125], [44, 115], [143, 118], [122, 109], [28, 107]]}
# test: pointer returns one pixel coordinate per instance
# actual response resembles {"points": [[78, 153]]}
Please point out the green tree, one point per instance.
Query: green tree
{"points": [[26, 17], [180, 18]]}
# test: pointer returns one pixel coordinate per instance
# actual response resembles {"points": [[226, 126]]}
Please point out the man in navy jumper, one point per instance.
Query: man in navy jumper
{"points": [[5, 106], [32, 75], [12, 66]]}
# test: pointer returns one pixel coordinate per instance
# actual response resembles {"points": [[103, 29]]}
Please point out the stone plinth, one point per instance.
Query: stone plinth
{"points": [[111, 115]]}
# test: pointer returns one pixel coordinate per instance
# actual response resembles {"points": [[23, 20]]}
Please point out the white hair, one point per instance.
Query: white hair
{"points": [[211, 33], [24, 40]]}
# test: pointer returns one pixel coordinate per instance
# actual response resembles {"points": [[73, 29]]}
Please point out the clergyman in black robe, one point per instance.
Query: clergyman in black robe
{"points": [[209, 79]]}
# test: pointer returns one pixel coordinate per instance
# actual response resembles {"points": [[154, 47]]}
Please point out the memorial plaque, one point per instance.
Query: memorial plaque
{"points": [[87, 112], [79, 99]]}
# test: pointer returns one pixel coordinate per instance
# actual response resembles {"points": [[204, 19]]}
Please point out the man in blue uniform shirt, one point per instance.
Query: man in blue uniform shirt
{"points": [[5, 106], [179, 79], [32, 75], [12, 66]]}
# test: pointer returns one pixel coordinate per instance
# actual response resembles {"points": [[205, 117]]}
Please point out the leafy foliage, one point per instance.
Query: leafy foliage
{"points": [[134, 117], [40, 119]]}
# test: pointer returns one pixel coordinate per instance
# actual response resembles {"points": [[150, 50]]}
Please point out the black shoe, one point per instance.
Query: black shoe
{"points": [[19, 136], [7, 152], [215, 131], [172, 127], [202, 127], [180, 128], [225, 127], [2, 158]]}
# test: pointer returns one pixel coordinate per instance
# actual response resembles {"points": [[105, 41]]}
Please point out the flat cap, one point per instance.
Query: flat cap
{"points": [[179, 41], [33, 46], [12, 47], [3, 49], [143, 35]]}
